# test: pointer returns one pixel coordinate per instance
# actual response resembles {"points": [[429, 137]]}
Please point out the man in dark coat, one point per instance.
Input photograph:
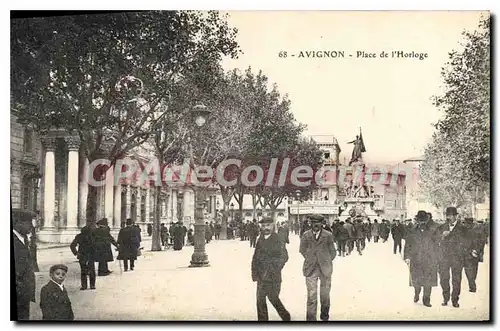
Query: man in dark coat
{"points": [[217, 229], [83, 247], [284, 233], [359, 229], [318, 250], [375, 231], [103, 241], [268, 260], [476, 241], [306, 225], [137, 231], [454, 248], [253, 232], [23, 263], [164, 234], [208, 233], [178, 237], [398, 232], [171, 230], [352, 235], [342, 238], [421, 254], [368, 230], [384, 231], [212, 230], [128, 245], [184, 231]]}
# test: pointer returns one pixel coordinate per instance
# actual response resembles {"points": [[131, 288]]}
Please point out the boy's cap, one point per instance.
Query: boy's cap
{"points": [[58, 266]]}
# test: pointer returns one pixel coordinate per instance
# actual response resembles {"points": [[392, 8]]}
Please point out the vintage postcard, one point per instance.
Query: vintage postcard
{"points": [[251, 166]]}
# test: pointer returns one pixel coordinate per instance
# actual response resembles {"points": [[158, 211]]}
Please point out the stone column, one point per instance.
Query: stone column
{"points": [[148, 192], [72, 191], [129, 199], [173, 206], [117, 207], [169, 204], [108, 195], [49, 187], [189, 205], [138, 203]]}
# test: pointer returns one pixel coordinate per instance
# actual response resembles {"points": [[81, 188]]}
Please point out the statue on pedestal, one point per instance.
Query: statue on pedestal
{"points": [[359, 148]]}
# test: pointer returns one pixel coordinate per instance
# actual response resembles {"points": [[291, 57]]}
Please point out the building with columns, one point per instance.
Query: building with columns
{"points": [[48, 176]]}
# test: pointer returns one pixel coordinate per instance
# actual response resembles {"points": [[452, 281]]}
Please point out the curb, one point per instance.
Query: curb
{"points": [[50, 247]]}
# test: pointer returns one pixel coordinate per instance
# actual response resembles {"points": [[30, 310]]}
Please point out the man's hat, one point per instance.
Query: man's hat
{"points": [[20, 215], [468, 220], [317, 218], [129, 221], [451, 211], [58, 266], [421, 215], [266, 220]]}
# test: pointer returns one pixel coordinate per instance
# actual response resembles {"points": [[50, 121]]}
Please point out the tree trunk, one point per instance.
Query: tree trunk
{"points": [[239, 199], [91, 213], [226, 198], [223, 225], [254, 206], [156, 239]]}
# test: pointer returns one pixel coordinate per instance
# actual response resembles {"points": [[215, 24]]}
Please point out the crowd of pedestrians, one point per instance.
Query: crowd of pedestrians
{"points": [[431, 250]]}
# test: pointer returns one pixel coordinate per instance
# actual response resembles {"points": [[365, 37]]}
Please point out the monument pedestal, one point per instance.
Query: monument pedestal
{"points": [[361, 206]]}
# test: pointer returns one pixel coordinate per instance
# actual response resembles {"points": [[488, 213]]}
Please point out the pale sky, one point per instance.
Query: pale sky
{"points": [[388, 98]]}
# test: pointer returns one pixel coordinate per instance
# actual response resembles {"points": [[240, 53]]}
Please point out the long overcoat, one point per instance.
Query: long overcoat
{"points": [[422, 249], [269, 258], [103, 240], [128, 244]]}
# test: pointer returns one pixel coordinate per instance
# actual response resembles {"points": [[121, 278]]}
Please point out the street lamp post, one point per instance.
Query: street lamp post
{"points": [[297, 194], [199, 257], [217, 211]]}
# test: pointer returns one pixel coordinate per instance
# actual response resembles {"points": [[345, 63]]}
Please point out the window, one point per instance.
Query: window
{"points": [[281, 214], [28, 140], [327, 155], [248, 214]]}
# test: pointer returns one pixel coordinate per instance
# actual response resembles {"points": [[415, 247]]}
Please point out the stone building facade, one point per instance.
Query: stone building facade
{"points": [[48, 176]]}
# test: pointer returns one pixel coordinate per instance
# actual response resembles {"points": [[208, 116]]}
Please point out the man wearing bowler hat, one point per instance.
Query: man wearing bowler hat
{"points": [[318, 249], [23, 263], [268, 260], [453, 249], [421, 254]]}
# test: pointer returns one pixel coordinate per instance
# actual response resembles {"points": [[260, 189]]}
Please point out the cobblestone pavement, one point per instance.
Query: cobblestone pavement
{"points": [[373, 286]]}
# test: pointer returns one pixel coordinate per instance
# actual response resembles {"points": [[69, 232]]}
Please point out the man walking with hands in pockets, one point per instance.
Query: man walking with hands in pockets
{"points": [[268, 260], [318, 250]]}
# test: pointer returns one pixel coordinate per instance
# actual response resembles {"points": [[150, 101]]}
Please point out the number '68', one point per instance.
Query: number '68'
{"points": [[282, 54]]}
